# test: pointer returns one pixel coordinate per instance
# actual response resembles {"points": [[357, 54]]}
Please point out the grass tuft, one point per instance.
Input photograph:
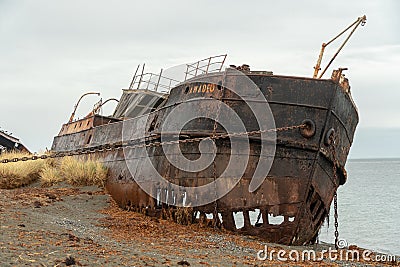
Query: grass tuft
{"points": [[50, 175], [18, 174], [49, 172], [81, 173], [75, 172]]}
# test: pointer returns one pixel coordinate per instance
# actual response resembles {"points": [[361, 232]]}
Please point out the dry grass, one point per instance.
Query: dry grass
{"points": [[18, 174], [75, 172], [50, 175], [49, 172], [89, 172]]}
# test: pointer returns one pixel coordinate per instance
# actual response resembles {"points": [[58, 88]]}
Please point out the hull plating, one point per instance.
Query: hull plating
{"points": [[299, 187]]}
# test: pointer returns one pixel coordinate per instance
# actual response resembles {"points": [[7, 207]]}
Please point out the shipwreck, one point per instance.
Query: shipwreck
{"points": [[10, 143], [286, 158]]}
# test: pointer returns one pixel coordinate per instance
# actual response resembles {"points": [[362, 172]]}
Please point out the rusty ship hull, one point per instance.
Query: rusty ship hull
{"points": [[307, 169]]}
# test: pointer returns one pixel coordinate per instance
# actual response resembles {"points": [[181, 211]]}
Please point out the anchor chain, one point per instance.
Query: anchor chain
{"points": [[335, 178], [336, 220], [142, 144], [216, 220]]}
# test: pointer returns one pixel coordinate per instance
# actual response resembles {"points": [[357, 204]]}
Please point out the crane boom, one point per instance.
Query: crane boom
{"points": [[361, 20]]}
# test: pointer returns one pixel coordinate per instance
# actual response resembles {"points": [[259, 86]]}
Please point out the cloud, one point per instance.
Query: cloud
{"points": [[53, 51]]}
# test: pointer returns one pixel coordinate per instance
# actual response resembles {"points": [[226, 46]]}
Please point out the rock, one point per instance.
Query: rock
{"points": [[183, 263], [70, 261], [71, 237], [37, 204], [51, 196]]}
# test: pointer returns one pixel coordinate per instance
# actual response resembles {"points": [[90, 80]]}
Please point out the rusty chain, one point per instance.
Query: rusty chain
{"points": [[215, 126], [335, 178], [335, 206], [120, 145]]}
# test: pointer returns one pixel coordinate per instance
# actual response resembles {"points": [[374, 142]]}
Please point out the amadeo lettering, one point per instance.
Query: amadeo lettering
{"points": [[202, 88]]}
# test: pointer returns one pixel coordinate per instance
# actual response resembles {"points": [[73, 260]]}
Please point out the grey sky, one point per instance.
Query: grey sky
{"points": [[53, 51]]}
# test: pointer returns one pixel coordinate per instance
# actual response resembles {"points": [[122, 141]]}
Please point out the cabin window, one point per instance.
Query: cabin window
{"points": [[89, 139], [146, 99]]}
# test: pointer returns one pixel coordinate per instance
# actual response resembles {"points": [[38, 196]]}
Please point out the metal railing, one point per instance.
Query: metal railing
{"points": [[153, 82], [162, 84], [204, 66]]}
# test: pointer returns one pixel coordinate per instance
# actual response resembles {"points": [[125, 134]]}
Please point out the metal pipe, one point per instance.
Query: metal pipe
{"points": [[102, 104], [134, 77], [77, 103], [159, 78], [141, 76], [222, 63]]}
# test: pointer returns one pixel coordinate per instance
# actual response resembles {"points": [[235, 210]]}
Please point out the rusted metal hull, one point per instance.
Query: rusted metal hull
{"points": [[299, 187]]}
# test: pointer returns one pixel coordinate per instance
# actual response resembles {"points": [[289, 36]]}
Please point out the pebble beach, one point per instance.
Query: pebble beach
{"points": [[68, 226]]}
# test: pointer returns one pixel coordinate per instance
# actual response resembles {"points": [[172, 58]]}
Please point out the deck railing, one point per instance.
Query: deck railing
{"points": [[163, 84], [204, 66], [153, 82]]}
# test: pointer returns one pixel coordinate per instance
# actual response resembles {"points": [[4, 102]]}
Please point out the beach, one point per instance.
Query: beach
{"points": [[68, 226]]}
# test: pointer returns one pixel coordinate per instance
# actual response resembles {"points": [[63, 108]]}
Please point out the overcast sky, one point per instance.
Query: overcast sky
{"points": [[53, 51]]}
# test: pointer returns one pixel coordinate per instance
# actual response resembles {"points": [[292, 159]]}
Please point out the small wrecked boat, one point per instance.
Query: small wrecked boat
{"points": [[248, 150], [10, 143]]}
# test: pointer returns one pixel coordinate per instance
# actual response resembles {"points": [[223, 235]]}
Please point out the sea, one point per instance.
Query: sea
{"points": [[368, 206]]}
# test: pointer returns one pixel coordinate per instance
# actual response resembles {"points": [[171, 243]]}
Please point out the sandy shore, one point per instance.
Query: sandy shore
{"points": [[63, 226]]}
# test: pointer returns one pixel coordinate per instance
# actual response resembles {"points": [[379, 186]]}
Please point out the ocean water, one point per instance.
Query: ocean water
{"points": [[369, 206]]}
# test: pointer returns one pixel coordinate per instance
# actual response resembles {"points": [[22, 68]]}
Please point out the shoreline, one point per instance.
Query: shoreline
{"points": [[62, 225]]}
